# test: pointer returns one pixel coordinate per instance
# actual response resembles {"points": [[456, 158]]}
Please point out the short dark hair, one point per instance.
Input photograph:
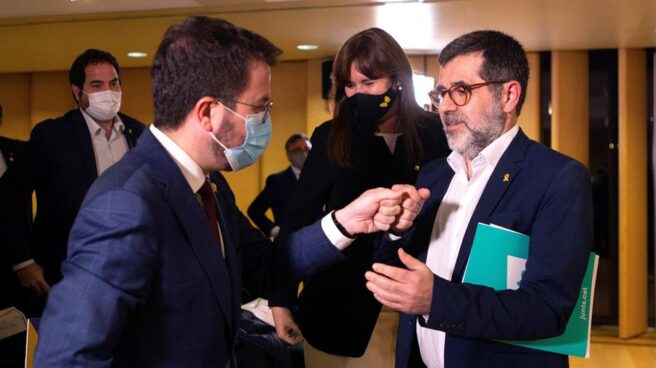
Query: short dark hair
{"points": [[504, 59], [203, 57], [91, 56], [293, 138]]}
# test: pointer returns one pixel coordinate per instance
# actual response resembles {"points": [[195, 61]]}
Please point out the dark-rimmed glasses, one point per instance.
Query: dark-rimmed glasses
{"points": [[460, 94]]}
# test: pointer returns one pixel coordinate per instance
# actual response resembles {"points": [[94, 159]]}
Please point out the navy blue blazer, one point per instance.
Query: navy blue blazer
{"points": [[144, 282], [59, 164], [547, 196], [276, 195]]}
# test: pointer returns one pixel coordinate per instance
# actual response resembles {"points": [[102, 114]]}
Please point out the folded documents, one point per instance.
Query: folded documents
{"points": [[12, 322], [498, 260], [260, 308]]}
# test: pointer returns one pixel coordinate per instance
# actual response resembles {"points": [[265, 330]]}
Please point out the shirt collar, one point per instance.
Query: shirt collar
{"points": [[191, 171], [96, 129], [296, 170], [490, 154]]}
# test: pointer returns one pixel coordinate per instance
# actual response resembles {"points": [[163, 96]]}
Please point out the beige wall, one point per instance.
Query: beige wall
{"points": [[15, 100]]}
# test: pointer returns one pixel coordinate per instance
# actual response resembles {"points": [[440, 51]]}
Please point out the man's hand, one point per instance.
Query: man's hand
{"points": [[413, 200], [409, 291], [286, 328], [31, 276], [374, 210]]}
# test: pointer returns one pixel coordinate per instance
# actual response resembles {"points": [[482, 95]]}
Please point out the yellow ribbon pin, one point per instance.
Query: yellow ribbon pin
{"points": [[506, 178], [385, 103]]}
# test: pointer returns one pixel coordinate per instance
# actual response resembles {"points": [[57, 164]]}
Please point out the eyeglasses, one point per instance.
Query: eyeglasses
{"points": [[267, 107], [460, 94]]}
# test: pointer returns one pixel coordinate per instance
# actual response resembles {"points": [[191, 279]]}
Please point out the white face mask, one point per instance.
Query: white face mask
{"points": [[103, 106]]}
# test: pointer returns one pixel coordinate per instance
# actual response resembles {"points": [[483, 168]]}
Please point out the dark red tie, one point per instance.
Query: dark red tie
{"points": [[207, 196]]}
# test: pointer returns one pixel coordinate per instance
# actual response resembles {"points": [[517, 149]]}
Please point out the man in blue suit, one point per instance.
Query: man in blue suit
{"points": [[156, 254], [279, 187], [495, 175]]}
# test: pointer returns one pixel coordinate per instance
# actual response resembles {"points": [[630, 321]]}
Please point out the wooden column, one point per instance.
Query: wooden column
{"points": [[570, 104], [317, 109], [529, 119], [632, 192]]}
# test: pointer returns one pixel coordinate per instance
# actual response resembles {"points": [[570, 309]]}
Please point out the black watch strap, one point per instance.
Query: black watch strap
{"points": [[340, 227]]}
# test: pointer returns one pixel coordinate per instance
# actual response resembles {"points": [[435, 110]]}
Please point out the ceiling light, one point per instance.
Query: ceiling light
{"points": [[307, 47], [411, 24], [137, 54]]}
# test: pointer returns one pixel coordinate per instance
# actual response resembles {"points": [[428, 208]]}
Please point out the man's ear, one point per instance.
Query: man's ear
{"points": [[511, 96], [205, 110], [76, 93]]}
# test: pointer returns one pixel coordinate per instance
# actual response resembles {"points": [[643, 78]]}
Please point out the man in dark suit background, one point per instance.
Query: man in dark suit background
{"points": [[61, 159], [279, 187], [494, 175], [9, 149], [156, 258], [12, 349]]}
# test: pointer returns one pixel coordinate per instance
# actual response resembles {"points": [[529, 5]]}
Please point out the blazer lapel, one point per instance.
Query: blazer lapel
{"points": [[438, 183], [229, 233], [190, 214], [502, 177], [83, 138], [130, 134]]}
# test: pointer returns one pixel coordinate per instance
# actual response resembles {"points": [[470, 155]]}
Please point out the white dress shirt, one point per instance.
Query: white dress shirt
{"points": [[296, 171], [191, 171], [107, 151], [450, 225]]}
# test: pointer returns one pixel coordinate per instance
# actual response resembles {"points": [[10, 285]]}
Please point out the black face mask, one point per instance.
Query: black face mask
{"points": [[369, 109]]}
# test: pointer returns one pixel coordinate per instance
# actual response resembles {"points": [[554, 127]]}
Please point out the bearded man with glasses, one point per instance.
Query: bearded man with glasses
{"points": [[495, 175]]}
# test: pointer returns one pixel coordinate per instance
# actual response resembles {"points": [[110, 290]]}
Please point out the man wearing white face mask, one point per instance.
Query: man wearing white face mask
{"points": [[61, 160], [277, 192]]}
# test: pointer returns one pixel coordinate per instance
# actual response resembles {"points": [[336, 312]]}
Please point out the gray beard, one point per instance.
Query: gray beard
{"points": [[476, 138]]}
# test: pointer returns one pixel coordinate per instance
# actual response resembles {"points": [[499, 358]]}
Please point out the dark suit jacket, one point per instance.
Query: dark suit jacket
{"points": [[548, 197], [345, 328], [276, 195], [144, 282], [59, 164], [10, 149], [10, 291]]}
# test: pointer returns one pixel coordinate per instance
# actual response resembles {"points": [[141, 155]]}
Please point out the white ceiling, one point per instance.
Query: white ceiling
{"points": [[47, 34]]}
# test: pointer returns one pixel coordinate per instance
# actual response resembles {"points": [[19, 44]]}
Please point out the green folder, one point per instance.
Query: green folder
{"points": [[496, 260]]}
